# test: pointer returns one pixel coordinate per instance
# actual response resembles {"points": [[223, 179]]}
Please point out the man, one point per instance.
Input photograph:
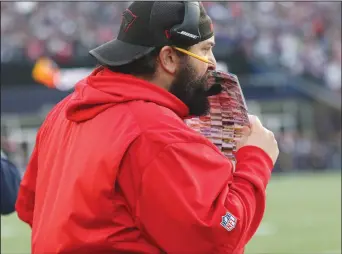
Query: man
{"points": [[10, 180], [116, 170]]}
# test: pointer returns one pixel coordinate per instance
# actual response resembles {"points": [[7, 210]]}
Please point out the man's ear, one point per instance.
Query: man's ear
{"points": [[168, 60]]}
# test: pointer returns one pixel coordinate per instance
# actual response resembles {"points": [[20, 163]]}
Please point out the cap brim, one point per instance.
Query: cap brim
{"points": [[116, 53]]}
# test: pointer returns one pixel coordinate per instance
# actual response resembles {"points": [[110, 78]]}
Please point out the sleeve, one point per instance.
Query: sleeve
{"points": [[192, 202], [26, 196], [10, 180]]}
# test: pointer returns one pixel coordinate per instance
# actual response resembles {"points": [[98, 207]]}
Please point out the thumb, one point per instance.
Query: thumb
{"points": [[255, 122]]}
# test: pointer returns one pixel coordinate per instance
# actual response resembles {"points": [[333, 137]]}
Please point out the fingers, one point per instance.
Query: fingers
{"points": [[272, 137], [255, 123], [269, 133]]}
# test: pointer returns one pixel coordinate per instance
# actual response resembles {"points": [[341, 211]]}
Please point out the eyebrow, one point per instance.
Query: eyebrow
{"points": [[210, 43]]}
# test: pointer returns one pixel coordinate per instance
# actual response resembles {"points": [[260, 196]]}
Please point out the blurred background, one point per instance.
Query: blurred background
{"points": [[287, 56]]}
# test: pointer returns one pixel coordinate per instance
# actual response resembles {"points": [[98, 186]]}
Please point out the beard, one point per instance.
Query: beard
{"points": [[191, 90]]}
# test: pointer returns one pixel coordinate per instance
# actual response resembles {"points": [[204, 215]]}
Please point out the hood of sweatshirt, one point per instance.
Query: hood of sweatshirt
{"points": [[103, 89]]}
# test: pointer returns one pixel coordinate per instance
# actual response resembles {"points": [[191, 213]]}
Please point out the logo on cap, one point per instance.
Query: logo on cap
{"points": [[128, 19], [189, 35]]}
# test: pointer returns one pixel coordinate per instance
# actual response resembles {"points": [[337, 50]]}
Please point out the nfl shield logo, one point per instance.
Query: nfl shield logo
{"points": [[228, 221]]}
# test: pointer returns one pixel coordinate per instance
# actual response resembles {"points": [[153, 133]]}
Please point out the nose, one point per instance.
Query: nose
{"points": [[212, 65]]}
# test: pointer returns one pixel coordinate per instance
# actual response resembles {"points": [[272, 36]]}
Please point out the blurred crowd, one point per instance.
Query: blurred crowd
{"points": [[62, 29], [302, 151], [304, 37]]}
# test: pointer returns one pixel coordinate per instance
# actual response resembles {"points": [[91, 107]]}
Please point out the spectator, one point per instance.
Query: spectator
{"points": [[10, 180]]}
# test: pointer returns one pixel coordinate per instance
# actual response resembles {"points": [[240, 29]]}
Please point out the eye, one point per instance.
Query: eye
{"points": [[206, 49]]}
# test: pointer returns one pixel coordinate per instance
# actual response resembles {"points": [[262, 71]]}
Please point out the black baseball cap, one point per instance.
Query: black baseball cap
{"points": [[145, 26]]}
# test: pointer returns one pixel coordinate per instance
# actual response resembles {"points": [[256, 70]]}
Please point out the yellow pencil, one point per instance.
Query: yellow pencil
{"points": [[193, 55]]}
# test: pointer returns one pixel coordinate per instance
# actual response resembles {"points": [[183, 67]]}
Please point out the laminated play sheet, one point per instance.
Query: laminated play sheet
{"points": [[228, 114]]}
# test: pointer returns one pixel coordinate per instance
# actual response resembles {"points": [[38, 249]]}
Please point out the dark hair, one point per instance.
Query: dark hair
{"points": [[145, 66]]}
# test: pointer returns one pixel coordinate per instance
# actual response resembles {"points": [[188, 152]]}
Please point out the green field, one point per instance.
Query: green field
{"points": [[303, 216]]}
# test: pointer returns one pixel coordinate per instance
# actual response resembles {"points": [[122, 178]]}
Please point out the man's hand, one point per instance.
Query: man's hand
{"points": [[261, 137]]}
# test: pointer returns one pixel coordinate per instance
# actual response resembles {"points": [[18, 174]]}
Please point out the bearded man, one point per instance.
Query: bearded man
{"points": [[116, 170]]}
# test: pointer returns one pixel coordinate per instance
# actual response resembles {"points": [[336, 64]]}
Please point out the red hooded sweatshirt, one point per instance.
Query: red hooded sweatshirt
{"points": [[116, 170]]}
